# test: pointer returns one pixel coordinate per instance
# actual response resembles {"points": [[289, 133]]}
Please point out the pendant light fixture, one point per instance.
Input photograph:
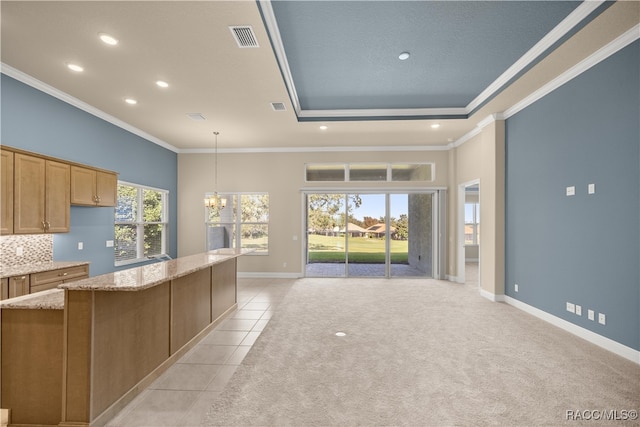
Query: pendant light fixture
{"points": [[215, 201]]}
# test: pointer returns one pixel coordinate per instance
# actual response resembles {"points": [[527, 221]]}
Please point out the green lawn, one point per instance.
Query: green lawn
{"points": [[361, 250]]}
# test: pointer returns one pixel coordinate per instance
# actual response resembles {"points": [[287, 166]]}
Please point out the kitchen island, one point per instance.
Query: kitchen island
{"points": [[108, 337]]}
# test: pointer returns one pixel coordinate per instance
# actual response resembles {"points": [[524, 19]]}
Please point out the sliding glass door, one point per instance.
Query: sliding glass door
{"points": [[369, 234]]}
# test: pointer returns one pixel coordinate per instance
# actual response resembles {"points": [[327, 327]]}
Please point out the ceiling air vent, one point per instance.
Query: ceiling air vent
{"points": [[244, 36], [278, 106], [196, 116]]}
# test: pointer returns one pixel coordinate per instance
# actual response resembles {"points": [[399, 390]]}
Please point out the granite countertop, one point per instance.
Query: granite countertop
{"points": [[37, 267], [52, 299], [148, 276]]}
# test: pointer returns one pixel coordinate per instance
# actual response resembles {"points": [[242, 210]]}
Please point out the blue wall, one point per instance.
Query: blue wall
{"points": [[35, 121], [583, 249]]}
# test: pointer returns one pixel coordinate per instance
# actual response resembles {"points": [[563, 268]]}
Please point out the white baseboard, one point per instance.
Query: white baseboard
{"points": [[269, 275], [491, 297], [604, 342]]}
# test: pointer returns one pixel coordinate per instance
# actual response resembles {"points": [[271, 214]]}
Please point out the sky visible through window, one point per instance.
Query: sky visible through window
{"points": [[373, 206]]}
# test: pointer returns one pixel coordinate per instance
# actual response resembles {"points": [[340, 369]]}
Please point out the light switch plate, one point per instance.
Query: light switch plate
{"points": [[578, 310], [591, 189], [591, 315], [602, 319], [571, 191], [80, 246], [109, 243]]}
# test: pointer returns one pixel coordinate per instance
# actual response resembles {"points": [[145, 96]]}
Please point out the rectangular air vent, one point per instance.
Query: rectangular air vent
{"points": [[244, 36], [196, 116], [278, 106]]}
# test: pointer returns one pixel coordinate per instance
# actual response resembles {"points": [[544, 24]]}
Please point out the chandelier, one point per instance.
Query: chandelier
{"points": [[215, 201]]}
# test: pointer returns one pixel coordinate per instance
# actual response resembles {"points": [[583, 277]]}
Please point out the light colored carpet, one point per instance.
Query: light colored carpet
{"points": [[417, 353]]}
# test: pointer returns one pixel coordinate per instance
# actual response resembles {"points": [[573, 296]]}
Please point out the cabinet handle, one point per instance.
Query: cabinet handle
{"points": [[48, 226], [44, 225], [62, 274]]}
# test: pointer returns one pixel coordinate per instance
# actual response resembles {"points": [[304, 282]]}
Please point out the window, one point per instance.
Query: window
{"points": [[141, 223], [378, 172], [471, 224], [242, 223]]}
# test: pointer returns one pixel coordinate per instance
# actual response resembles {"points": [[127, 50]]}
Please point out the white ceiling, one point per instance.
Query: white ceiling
{"points": [[189, 45]]}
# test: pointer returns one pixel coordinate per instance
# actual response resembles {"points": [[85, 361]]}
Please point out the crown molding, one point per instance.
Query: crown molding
{"points": [[600, 55], [65, 97], [533, 54], [403, 148]]}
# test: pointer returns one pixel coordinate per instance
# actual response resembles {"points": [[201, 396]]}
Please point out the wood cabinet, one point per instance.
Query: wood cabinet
{"points": [[41, 195], [50, 279], [92, 187], [6, 190], [24, 284], [18, 286], [4, 288]]}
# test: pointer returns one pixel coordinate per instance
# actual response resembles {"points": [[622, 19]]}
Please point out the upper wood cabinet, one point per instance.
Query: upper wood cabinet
{"points": [[92, 187], [6, 190], [41, 195]]}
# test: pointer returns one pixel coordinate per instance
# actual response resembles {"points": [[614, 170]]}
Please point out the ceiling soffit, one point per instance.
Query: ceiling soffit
{"points": [[355, 81]]}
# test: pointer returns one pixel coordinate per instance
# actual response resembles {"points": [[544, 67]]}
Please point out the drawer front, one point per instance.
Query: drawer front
{"points": [[44, 287], [59, 276]]}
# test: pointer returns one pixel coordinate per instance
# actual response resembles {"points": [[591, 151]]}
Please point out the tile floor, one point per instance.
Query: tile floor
{"points": [[182, 395]]}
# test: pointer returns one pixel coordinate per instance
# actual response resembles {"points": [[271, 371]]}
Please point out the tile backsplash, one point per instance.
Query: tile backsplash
{"points": [[18, 249]]}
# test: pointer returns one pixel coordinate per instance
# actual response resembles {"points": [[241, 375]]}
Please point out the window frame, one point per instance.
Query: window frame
{"points": [[234, 200], [140, 224], [316, 169], [474, 224]]}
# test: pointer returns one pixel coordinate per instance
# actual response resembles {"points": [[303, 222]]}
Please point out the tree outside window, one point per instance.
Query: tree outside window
{"points": [[242, 223], [140, 223]]}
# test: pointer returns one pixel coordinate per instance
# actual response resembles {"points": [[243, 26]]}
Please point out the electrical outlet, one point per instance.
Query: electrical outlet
{"points": [[80, 246], [602, 319], [516, 287], [571, 191], [571, 307], [284, 264], [591, 315], [578, 310], [591, 189], [19, 251], [109, 243]]}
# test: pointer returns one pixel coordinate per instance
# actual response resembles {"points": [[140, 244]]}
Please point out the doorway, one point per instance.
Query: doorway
{"points": [[373, 234]]}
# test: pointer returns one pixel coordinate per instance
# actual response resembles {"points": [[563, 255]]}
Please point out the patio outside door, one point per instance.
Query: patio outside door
{"points": [[369, 235]]}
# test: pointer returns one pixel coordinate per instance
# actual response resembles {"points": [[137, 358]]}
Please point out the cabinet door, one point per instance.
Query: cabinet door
{"points": [[6, 188], [106, 188], [57, 201], [29, 189], [4, 288], [18, 286], [83, 186]]}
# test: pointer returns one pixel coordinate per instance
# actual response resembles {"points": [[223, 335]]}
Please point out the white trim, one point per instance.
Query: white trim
{"points": [[385, 112], [556, 34], [594, 338], [369, 149], [450, 278], [492, 297], [65, 97], [600, 55], [278, 48], [268, 275], [573, 19]]}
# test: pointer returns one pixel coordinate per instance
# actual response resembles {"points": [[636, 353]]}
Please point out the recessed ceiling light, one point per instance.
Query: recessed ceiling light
{"points": [[435, 126], [340, 334], [323, 127], [404, 56], [130, 101], [75, 67], [162, 83], [108, 39]]}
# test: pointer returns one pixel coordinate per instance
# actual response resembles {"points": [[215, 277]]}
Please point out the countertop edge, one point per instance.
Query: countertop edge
{"points": [[151, 275]]}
